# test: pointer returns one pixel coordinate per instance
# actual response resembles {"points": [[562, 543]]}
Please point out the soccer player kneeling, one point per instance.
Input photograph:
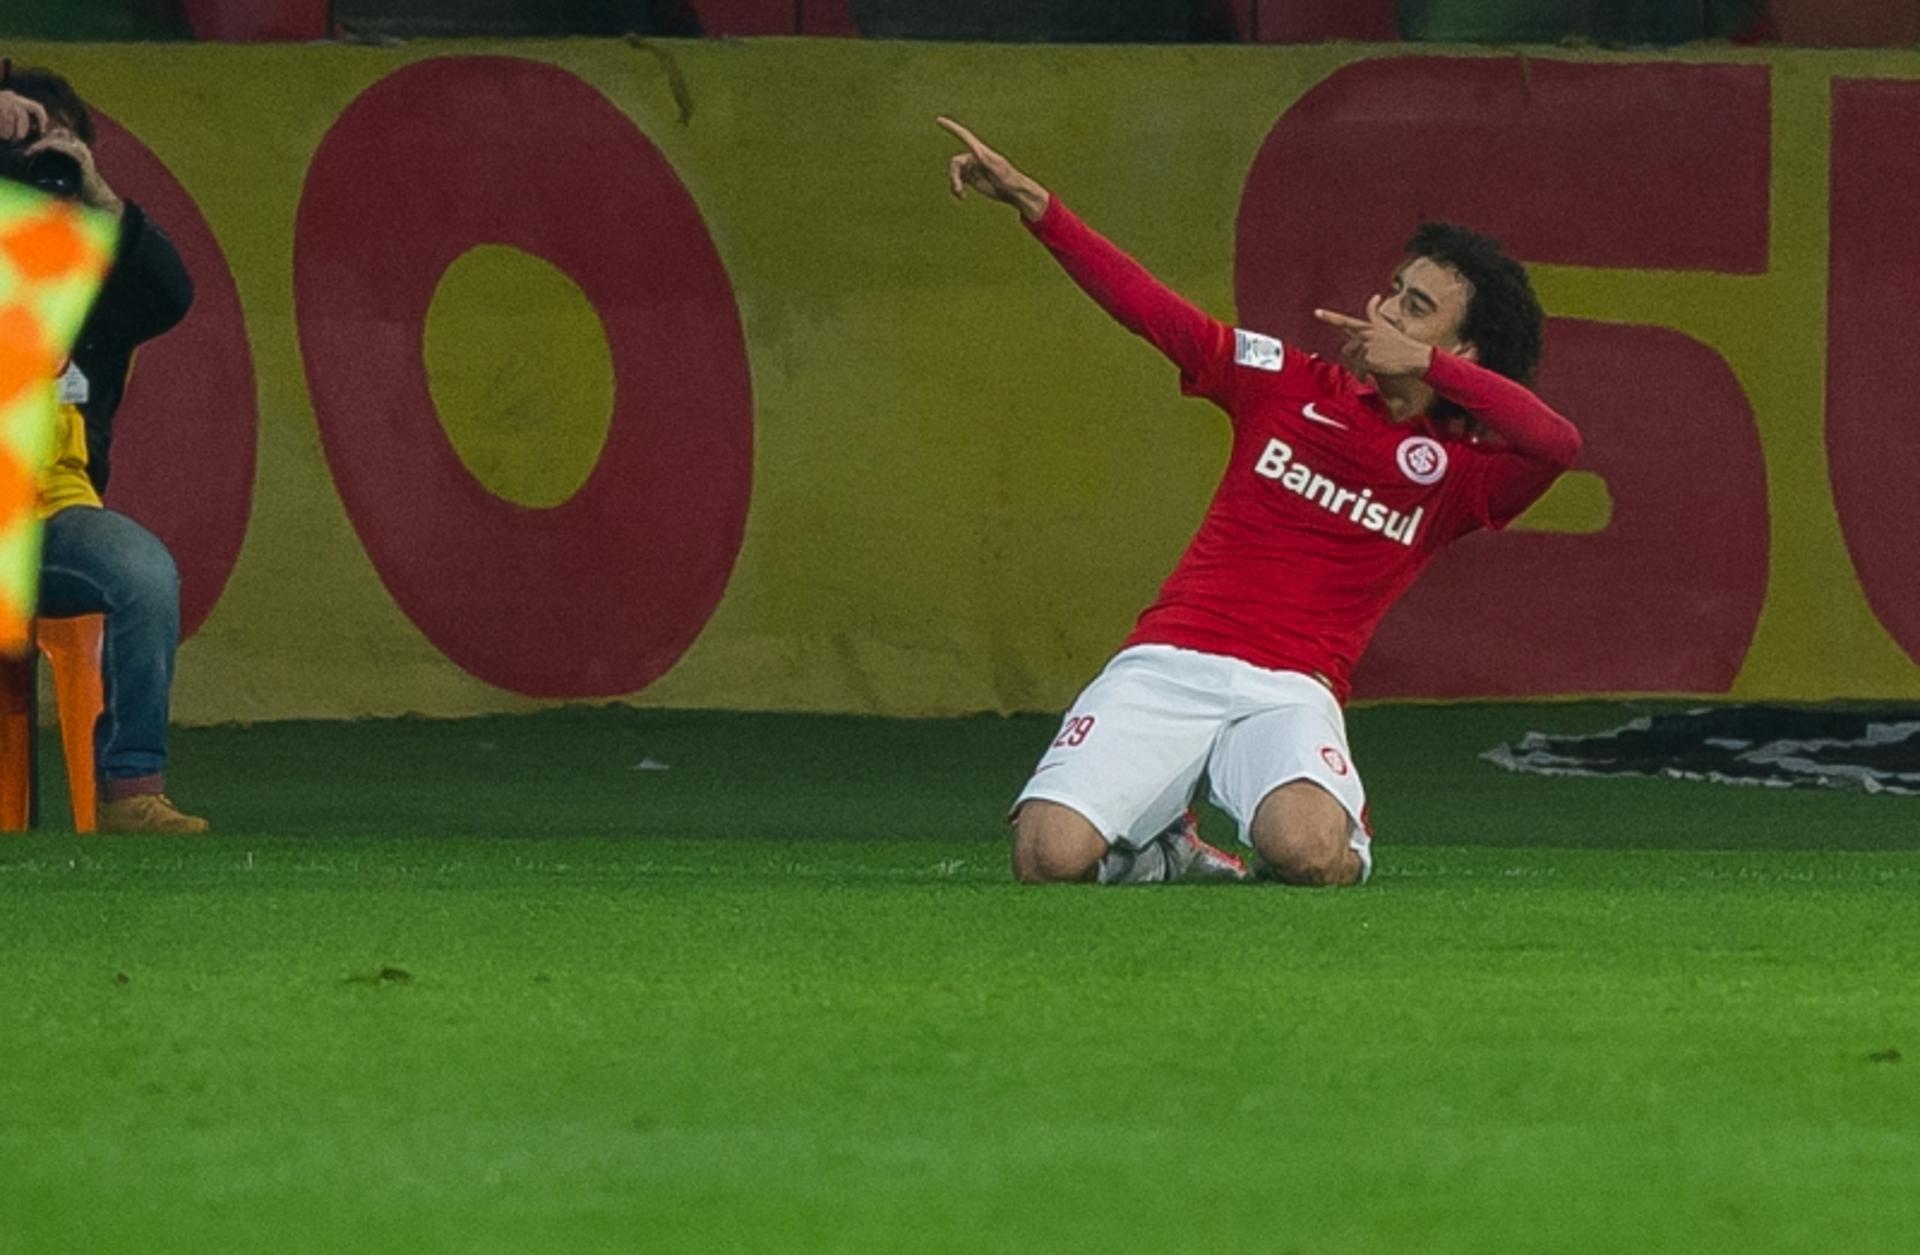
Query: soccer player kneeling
{"points": [[1344, 480]]}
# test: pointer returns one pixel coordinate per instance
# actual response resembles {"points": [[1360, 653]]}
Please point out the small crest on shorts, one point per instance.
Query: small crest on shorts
{"points": [[1336, 761]]}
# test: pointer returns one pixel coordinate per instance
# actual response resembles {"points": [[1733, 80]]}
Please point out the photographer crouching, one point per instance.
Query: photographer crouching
{"points": [[93, 560]]}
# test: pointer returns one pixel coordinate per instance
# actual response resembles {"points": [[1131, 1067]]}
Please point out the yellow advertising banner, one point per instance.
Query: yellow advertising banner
{"points": [[669, 373]]}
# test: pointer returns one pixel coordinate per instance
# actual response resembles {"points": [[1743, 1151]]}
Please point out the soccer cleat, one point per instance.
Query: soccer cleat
{"points": [[1191, 859], [148, 814], [1176, 854], [1144, 866]]}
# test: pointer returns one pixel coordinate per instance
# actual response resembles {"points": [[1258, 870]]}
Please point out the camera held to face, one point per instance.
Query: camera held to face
{"points": [[55, 173]]}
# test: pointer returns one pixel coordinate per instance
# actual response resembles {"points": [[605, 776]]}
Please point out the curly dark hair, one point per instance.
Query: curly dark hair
{"points": [[54, 94], [1504, 319]]}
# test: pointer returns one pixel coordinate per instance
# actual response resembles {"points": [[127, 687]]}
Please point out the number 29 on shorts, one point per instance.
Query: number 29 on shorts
{"points": [[1074, 731]]}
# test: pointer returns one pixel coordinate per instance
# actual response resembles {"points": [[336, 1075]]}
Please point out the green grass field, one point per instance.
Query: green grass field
{"points": [[484, 986]]}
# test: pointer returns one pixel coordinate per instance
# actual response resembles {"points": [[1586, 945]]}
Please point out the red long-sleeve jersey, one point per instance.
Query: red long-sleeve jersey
{"points": [[1329, 507]]}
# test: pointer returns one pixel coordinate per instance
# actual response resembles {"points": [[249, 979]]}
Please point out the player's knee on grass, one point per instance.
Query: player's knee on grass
{"points": [[1052, 842], [1302, 837]]}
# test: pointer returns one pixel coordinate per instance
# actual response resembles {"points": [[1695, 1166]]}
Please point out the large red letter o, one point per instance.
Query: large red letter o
{"points": [[601, 594]]}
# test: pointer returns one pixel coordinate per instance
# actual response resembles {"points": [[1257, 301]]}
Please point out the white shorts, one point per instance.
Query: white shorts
{"points": [[1131, 749]]}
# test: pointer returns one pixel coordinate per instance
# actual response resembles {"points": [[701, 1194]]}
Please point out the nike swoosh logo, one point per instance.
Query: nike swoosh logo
{"points": [[1313, 415]]}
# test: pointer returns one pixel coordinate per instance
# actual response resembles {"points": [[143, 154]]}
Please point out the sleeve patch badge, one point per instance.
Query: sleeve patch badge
{"points": [[1259, 352]]}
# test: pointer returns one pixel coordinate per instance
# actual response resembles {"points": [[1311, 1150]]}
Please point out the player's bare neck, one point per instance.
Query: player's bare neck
{"points": [[1406, 399]]}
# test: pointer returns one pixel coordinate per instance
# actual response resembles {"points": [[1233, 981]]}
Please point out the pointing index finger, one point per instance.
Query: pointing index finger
{"points": [[1341, 321], [962, 134]]}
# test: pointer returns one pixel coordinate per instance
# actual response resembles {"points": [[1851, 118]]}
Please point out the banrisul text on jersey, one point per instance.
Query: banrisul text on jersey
{"points": [[1277, 463]]}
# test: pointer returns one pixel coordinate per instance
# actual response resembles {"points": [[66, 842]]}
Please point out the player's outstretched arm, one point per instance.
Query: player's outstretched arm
{"points": [[1121, 285]]}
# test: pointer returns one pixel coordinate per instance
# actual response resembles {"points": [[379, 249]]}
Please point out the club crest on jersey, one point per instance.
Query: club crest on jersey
{"points": [[1277, 463], [1250, 348], [1422, 459], [1336, 761]]}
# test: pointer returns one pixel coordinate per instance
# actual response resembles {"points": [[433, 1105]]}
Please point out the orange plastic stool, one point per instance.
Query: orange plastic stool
{"points": [[72, 647]]}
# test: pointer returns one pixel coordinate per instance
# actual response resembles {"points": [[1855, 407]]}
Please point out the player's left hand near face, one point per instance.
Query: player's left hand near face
{"points": [[1375, 346]]}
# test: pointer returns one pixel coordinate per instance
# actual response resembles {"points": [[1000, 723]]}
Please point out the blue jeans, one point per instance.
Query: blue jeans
{"points": [[93, 561]]}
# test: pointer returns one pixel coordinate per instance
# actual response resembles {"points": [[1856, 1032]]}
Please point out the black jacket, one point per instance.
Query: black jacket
{"points": [[147, 291]]}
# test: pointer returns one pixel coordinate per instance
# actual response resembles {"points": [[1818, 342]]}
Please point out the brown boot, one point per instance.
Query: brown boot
{"points": [[148, 814]]}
